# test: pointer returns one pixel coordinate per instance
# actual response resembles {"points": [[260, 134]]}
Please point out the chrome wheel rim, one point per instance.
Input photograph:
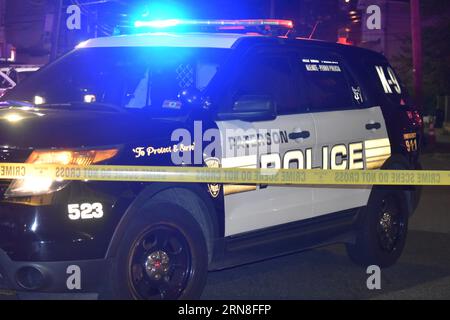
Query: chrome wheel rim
{"points": [[160, 264], [391, 225]]}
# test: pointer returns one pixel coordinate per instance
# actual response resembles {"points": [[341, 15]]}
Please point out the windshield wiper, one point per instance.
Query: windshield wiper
{"points": [[15, 103], [83, 105], [61, 105]]}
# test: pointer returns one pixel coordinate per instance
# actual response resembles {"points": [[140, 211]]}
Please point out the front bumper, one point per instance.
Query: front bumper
{"points": [[52, 280]]}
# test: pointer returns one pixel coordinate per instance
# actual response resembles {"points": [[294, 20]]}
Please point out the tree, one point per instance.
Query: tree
{"points": [[436, 58]]}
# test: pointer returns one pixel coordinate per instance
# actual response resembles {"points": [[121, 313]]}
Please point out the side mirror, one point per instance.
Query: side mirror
{"points": [[251, 108]]}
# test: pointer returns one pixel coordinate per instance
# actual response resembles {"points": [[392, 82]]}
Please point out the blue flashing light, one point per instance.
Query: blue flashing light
{"points": [[218, 23], [166, 12], [157, 23]]}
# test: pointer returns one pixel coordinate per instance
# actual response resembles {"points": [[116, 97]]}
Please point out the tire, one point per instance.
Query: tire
{"points": [[381, 236], [163, 255]]}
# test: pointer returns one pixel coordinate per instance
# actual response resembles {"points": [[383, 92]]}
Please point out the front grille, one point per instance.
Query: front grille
{"points": [[8, 154], [4, 184], [6, 291], [3, 284]]}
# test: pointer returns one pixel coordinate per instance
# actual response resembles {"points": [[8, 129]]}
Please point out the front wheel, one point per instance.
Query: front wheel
{"points": [[382, 233], [163, 256]]}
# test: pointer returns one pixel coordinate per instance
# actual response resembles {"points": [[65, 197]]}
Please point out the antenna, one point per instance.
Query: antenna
{"points": [[314, 29]]}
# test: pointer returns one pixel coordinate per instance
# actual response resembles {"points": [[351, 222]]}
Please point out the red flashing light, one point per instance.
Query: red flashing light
{"points": [[219, 23], [344, 40]]}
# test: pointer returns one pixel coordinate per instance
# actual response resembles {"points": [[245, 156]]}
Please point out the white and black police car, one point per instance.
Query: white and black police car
{"points": [[249, 95]]}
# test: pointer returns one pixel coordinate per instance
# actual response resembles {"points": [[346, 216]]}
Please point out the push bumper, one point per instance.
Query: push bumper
{"points": [[82, 279]]}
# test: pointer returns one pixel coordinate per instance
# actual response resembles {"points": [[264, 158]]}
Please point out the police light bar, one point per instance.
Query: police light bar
{"points": [[216, 23]]}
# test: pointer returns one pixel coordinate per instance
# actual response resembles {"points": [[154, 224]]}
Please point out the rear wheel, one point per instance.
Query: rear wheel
{"points": [[382, 233], [163, 256]]}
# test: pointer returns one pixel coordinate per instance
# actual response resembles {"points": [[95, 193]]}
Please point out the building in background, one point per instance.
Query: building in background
{"points": [[32, 27], [28, 28], [5, 49], [395, 26]]}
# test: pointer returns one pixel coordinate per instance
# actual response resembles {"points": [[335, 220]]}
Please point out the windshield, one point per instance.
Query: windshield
{"points": [[125, 77]]}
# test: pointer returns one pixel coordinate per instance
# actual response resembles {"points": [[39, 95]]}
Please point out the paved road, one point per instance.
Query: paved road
{"points": [[423, 271]]}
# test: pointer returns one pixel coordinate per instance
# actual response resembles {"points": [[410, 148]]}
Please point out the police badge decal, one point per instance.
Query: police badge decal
{"points": [[213, 189], [357, 95]]}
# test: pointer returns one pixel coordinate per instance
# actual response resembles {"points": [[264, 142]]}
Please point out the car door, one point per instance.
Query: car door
{"points": [[351, 134], [273, 143]]}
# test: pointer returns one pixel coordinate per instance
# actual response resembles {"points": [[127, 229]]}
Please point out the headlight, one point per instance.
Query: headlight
{"points": [[39, 186]]}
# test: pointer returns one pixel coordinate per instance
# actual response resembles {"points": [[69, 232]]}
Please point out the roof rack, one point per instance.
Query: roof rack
{"points": [[274, 27]]}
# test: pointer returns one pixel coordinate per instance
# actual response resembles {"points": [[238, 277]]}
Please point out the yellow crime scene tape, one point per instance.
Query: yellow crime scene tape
{"points": [[224, 175]]}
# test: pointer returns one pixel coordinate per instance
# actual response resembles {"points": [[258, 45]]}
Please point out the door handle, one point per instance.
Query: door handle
{"points": [[373, 126], [299, 135]]}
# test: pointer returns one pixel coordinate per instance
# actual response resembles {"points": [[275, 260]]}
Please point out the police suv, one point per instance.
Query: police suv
{"points": [[245, 96]]}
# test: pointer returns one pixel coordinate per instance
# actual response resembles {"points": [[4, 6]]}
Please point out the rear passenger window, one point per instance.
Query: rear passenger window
{"points": [[388, 83], [328, 84], [270, 75]]}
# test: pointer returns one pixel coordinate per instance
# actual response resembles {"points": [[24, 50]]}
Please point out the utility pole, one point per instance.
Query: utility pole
{"points": [[272, 9], [2, 29], [416, 33], [56, 30]]}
